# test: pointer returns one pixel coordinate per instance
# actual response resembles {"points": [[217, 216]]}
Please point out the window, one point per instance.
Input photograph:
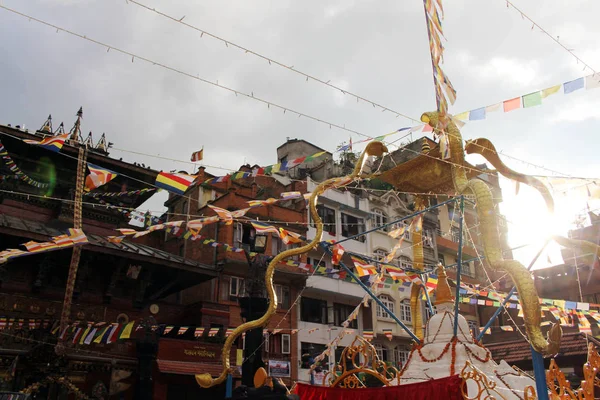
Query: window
{"points": [[313, 310], [243, 235], [286, 344], [380, 218], [473, 327], [455, 232], [283, 159], [283, 297], [441, 260], [352, 225], [382, 352], [388, 302], [380, 254], [405, 262], [309, 351], [341, 312], [236, 288], [467, 269], [328, 217], [428, 238], [405, 313], [401, 354], [184, 207]]}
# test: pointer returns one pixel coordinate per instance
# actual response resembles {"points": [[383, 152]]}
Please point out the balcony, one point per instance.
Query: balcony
{"points": [[449, 241]]}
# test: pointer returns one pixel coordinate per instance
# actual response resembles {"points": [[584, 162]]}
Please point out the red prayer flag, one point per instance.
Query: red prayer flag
{"points": [[512, 104]]}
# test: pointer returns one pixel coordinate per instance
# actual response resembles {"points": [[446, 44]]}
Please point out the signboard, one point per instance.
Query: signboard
{"points": [[192, 351], [280, 369]]}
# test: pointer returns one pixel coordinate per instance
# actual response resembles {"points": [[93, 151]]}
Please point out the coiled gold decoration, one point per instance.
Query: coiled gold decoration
{"points": [[372, 149], [488, 223]]}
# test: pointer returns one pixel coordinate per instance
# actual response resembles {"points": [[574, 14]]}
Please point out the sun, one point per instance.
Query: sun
{"points": [[530, 223]]}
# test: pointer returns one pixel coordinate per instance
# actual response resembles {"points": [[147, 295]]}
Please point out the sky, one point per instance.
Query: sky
{"points": [[377, 49]]}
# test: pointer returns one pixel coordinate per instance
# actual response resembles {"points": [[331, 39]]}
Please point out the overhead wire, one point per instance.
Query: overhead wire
{"points": [[251, 95]]}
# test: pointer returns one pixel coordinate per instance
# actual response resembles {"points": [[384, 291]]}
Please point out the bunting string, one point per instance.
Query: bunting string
{"points": [[10, 164], [75, 237]]}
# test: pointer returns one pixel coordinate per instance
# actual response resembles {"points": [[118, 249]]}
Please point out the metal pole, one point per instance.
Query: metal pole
{"points": [[427, 297], [373, 296], [539, 373], [459, 263], [510, 293], [229, 387], [395, 221]]}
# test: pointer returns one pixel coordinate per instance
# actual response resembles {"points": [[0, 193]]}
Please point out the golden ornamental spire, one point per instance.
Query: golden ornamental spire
{"points": [[443, 294]]}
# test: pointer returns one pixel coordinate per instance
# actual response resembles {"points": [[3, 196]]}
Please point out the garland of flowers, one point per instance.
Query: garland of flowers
{"points": [[35, 387], [438, 358], [408, 360], [472, 353], [508, 386]]}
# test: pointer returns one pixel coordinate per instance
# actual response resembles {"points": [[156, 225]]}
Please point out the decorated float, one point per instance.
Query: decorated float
{"points": [[446, 361]]}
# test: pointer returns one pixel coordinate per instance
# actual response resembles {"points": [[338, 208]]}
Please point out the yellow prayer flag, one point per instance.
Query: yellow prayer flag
{"points": [[550, 91], [85, 333], [462, 116], [239, 357], [126, 334]]}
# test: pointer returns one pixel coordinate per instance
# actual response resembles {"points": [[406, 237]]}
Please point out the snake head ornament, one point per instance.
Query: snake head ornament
{"points": [[374, 148]]}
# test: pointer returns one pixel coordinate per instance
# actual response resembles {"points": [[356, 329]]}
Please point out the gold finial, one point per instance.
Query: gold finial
{"points": [[443, 294], [425, 147]]}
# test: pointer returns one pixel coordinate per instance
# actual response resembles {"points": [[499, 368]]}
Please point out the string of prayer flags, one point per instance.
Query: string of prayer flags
{"points": [[52, 143], [177, 183], [367, 335], [213, 332], [199, 332], [362, 267], [130, 193], [75, 237], [12, 166]]}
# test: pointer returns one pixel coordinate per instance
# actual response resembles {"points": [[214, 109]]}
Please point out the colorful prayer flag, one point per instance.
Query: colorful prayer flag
{"points": [[126, 333], [362, 267], [197, 155], [199, 332], [176, 183], [213, 331], [507, 328], [388, 333], [262, 227], [493, 108], [367, 335], [571, 86], [550, 91], [98, 176], [288, 237], [53, 143], [512, 104], [168, 329], [337, 253], [182, 330], [477, 114], [223, 214], [592, 81], [77, 236], [532, 99]]}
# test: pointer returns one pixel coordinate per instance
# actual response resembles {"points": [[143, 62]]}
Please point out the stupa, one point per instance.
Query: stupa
{"points": [[441, 354]]}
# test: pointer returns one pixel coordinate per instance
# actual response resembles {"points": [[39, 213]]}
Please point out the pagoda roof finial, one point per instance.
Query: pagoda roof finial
{"points": [[443, 294], [47, 126]]}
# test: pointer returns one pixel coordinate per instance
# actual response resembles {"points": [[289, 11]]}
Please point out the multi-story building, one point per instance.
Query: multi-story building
{"points": [[116, 283], [240, 276]]}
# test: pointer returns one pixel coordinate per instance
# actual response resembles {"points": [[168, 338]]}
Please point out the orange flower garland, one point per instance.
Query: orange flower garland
{"points": [[454, 341]]}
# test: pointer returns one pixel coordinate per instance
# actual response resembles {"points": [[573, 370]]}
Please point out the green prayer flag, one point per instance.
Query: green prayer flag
{"points": [[532, 99]]}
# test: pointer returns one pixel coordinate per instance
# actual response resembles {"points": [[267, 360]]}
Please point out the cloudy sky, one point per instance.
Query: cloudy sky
{"points": [[377, 49]]}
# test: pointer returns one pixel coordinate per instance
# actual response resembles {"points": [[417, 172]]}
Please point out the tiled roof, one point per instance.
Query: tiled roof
{"points": [[515, 351], [101, 244]]}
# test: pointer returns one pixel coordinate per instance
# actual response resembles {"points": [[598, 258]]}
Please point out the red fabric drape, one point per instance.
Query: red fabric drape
{"points": [[437, 389]]}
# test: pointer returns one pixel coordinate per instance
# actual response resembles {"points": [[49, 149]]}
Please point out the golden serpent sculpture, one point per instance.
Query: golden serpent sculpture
{"points": [[373, 149], [488, 221], [418, 264]]}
